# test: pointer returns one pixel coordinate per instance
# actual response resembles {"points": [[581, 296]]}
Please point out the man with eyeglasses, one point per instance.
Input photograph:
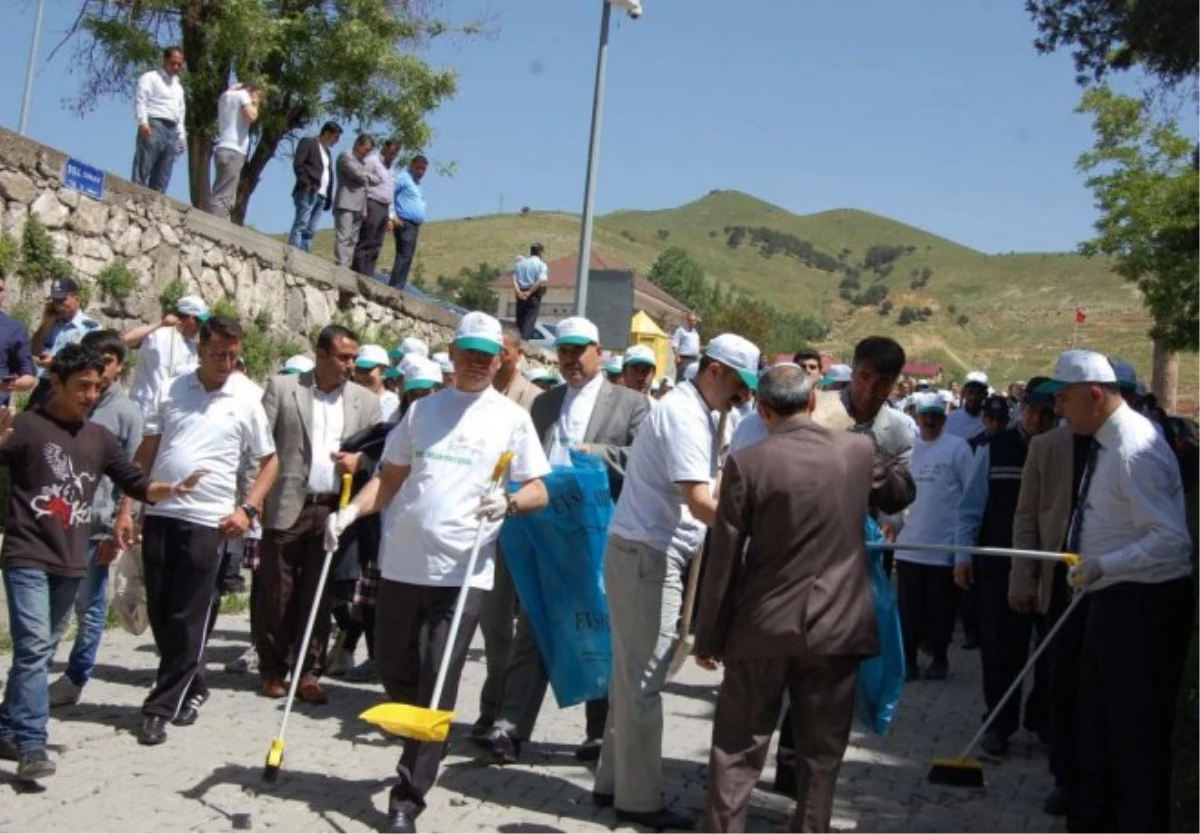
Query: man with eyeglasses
{"points": [[168, 349], [16, 363], [161, 111]]}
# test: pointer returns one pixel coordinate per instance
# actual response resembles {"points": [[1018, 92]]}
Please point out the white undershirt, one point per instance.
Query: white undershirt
{"points": [[578, 405], [328, 424]]}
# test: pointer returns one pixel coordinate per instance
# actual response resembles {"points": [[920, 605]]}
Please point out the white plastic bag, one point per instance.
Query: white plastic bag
{"points": [[129, 592]]}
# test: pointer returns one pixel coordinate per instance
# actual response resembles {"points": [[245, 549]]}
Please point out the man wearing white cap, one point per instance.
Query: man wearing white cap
{"points": [[1130, 530], [369, 364], [613, 368], [837, 378], [943, 467], [298, 364], [442, 358], [410, 346], [638, 369], [431, 489], [666, 503], [168, 349], [589, 414], [966, 422]]}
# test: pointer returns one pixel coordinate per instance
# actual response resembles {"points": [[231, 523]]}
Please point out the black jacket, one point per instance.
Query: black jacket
{"points": [[307, 165]]}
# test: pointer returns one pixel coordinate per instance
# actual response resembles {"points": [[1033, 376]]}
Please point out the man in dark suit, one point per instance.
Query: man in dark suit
{"points": [[309, 414], [313, 192], [786, 603], [588, 414]]}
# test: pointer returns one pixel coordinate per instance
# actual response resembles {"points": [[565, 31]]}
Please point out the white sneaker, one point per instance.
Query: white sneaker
{"points": [[247, 662], [64, 692], [340, 662]]}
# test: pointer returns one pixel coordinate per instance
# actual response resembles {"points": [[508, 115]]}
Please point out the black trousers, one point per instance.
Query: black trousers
{"points": [[182, 568], [1063, 677], [1004, 637], [413, 624], [406, 250], [370, 239], [527, 314], [1135, 643], [927, 598]]}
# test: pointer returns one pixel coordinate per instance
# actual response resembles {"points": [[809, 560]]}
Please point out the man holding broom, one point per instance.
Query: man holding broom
{"points": [[435, 466]]}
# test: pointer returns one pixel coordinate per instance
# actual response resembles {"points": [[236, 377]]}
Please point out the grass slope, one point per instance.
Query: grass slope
{"points": [[1020, 306]]}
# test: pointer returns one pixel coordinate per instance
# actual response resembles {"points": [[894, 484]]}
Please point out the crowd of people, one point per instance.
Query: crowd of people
{"points": [[368, 193], [770, 469]]}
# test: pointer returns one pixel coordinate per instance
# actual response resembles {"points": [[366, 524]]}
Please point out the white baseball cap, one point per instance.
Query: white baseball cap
{"points": [[1076, 366], [640, 355], [420, 373], [836, 374], [612, 364], [576, 331], [930, 403], [689, 373], [443, 360], [1126, 374], [976, 378], [737, 353], [298, 364], [192, 305], [481, 332], [371, 356], [412, 346], [946, 394]]}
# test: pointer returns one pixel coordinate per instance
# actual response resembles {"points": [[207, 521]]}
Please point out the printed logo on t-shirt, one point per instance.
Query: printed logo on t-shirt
{"points": [[460, 449], [65, 499]]}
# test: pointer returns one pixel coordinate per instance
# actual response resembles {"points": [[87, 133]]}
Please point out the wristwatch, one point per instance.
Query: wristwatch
{"points": [[250, 510], [512, 506]]}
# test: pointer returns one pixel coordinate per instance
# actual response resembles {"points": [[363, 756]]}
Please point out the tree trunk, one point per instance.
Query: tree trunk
{"points": [[251, 175], [1165, 379], [200, 150]]}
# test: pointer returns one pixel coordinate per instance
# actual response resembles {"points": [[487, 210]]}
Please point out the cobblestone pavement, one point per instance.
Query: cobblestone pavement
{"points": [[336, 770]]}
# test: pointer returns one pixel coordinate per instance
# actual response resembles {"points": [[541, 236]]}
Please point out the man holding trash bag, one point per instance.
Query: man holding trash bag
{"points": [[786, 602], [666, 503], [436, 463], [591, 415]]}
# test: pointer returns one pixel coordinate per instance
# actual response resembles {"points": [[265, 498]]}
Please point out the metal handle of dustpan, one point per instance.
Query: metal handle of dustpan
{"points": [[1045, 555]]}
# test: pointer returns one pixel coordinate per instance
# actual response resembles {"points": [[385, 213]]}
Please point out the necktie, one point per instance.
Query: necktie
{"points": [[1085, 483]]}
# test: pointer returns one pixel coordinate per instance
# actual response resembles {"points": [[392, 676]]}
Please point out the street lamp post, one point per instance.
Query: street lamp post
{"points": [[29, 71], [634, 8]]}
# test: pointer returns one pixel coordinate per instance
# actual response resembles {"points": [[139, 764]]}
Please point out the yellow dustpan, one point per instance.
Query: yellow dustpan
{"points": [[430, 723]]}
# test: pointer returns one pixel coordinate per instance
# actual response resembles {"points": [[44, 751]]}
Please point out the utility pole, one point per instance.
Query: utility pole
{"points": [[29, 70]]}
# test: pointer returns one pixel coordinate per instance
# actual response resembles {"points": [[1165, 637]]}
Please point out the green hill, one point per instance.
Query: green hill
{"points": [[1016, 311]]}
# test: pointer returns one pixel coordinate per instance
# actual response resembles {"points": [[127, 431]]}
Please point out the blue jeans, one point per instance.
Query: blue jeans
{"points": [[91, 607], [154, 158], [309, 206], [39, 605]]}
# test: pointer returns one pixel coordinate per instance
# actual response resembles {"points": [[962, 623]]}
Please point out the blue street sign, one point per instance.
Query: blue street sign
{"points": [[83, 178]]}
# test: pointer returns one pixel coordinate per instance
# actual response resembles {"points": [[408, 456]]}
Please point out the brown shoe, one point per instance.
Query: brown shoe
{"points": [[274, 688], [310, 692]]}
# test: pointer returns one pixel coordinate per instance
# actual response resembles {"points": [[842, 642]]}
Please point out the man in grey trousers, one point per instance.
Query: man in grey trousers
{"points": [[237, 109], [350, 204], [666, 503]]}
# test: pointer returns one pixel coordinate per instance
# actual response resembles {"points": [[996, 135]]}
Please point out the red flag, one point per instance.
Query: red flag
{"points": [[1080, 315]]}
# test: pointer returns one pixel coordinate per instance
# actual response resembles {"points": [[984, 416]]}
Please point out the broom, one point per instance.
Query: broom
{"points": [[274, 762], [965, 772]]}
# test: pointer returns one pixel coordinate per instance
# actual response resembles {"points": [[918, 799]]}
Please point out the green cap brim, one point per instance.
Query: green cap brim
{"points": [[930, 410], [1051, 386], [366, 364], [750, 378], [578, 341], [289, 371], [476, 343], [419, 384], [392, 373], [395, 354], [647, 362]]}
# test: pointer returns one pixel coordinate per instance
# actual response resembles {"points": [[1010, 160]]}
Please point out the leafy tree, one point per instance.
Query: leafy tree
{"points": [[747, 317], [680, 275], [1143, 173], [1113, 35], [351, 60], [472, 288]]}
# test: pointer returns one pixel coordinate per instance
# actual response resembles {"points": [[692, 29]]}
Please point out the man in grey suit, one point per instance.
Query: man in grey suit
{"points": [[350, 205], [786, 602], [310, 414], [588, 414]]}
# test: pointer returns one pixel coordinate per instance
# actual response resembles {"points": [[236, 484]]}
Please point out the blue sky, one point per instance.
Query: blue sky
{"points": [[939, 113]]}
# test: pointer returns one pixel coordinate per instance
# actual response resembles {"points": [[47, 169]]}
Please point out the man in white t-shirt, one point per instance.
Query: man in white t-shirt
{"points": [[168, 349], [660, 519], [685, 344], [942, 466], [432, 490], [205, 421], [237, 109], [966, 422]]}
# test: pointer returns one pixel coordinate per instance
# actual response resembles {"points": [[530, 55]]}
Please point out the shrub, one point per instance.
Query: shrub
{"points": [[38, 261], [117, 280], [170, 295]]}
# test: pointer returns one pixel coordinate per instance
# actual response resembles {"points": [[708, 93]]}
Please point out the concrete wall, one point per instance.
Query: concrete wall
{"points": [[162, 240]]}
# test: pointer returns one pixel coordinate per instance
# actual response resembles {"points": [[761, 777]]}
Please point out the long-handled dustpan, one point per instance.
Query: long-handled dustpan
{"points": [[430, 723], [1068, 559], [275, 754], [965, 772]]}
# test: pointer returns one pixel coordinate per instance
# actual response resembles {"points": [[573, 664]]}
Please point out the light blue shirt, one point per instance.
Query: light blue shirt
{"points": [[65, 333], [530, 271], [409, 205]]}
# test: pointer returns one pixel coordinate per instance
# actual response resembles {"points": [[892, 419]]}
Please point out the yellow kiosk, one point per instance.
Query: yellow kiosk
{"points": [[643, 331]]}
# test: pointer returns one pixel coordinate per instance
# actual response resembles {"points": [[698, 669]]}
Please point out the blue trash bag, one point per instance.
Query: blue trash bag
{"points": [[556, 559], [881, 678]]}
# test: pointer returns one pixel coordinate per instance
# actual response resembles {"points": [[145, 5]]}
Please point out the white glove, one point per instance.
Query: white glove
{"points": [[337, 523], [1084, 573], [493, 506]]}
